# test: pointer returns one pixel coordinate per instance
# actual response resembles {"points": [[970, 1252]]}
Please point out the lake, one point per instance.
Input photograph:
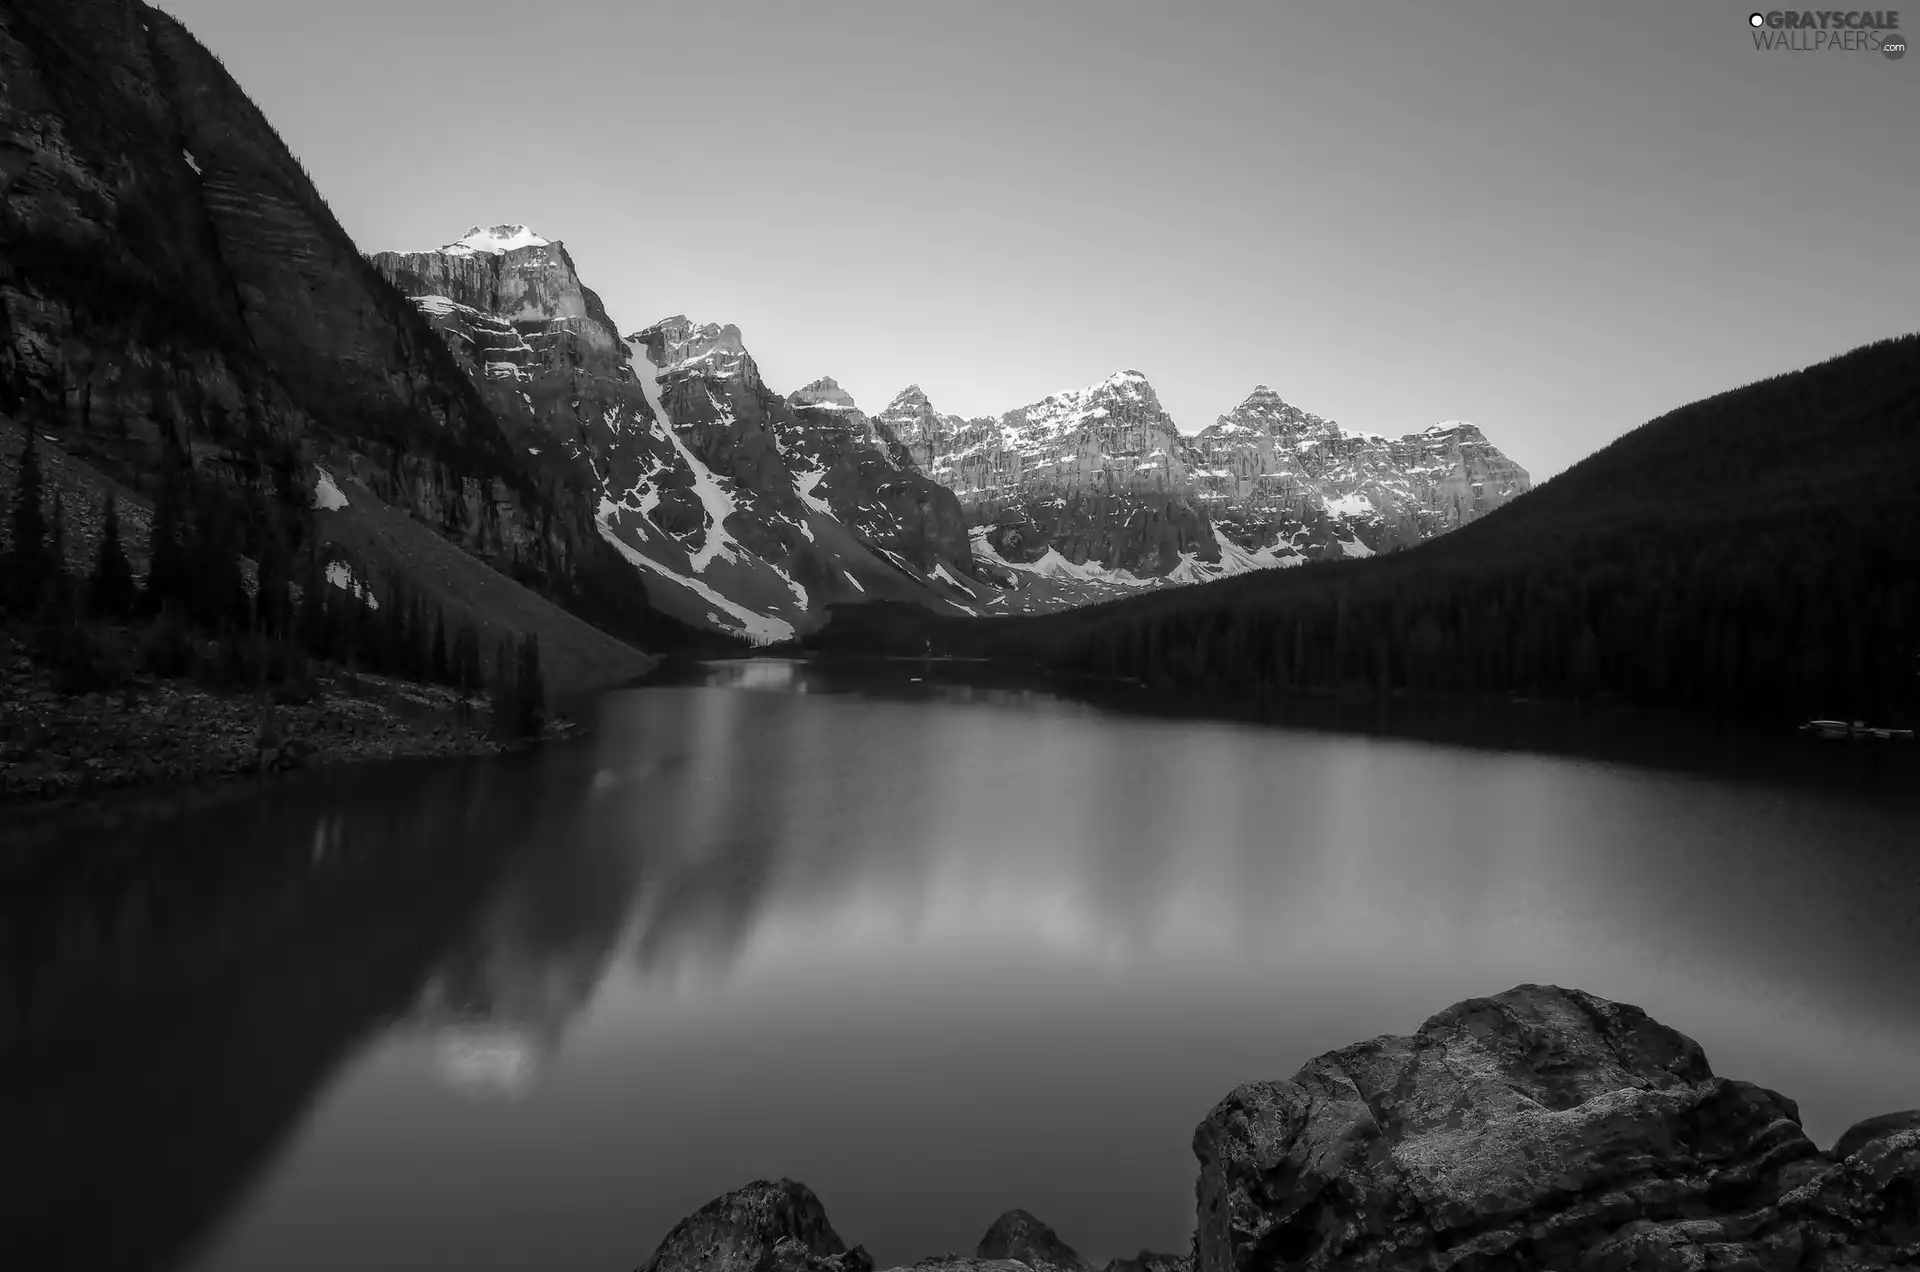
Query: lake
{"points": [[935, 948]]}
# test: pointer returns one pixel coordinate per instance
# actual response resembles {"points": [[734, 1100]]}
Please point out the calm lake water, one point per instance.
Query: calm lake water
{"points": [[935, 950]]}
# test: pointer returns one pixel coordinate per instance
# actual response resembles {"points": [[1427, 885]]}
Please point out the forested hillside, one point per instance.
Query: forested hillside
{"points": [[1755, 553]]}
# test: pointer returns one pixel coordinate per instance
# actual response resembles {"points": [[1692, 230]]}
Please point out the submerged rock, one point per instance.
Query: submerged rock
{"points": [[1018, 1235], [1541, 1128]]}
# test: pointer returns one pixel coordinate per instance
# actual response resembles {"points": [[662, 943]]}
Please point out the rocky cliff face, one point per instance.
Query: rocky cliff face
{"points": [[1271, 473], [740, 511], [1099, 476], [772, 511], [871, 482], [1099, 485], [171, 280], [1539, 1129]]}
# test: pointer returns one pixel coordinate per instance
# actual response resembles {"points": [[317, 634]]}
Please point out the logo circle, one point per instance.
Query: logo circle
{"points": [[1756, 19], [1894, 46]]}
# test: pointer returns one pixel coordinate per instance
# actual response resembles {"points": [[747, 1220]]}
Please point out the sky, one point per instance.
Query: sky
{"points": [[1555, 220]]}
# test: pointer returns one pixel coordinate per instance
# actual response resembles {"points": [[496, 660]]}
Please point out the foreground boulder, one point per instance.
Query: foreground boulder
{"points": [[763, 1227], [1542, 1129]]}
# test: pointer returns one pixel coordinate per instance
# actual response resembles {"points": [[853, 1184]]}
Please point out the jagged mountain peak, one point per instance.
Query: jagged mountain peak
{"points": [[824, 392], [710, 349], [1265, 411], [494, 240], [1131, 387]]}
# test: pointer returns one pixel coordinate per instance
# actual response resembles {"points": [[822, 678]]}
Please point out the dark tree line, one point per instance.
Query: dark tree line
{"points": [[201, 618], [1755, 554]]}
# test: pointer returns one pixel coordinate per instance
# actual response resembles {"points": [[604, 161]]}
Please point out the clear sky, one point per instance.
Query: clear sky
{"points": [[1557, 220]]}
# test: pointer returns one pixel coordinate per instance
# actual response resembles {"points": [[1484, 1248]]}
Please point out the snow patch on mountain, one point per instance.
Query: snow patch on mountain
{"points": [[341, 576], [494, 241], [327, 496], [761, 629], [804, 484]]}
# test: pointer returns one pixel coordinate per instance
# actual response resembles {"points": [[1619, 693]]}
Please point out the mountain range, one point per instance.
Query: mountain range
{"points": [[1755, 553], [752, 513], [174, 289]]}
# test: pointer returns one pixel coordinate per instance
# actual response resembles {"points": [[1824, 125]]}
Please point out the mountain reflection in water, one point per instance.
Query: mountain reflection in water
{"points": [[937, 949]]}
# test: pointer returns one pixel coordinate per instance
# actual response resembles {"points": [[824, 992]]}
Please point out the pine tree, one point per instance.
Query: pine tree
{"points": [[56, 598], [110, 593], [27, 560], [167, 564], [530, 693], [440, 669], [501, 703]]}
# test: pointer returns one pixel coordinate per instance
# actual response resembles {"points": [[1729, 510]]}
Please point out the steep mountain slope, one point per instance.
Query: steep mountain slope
{"points": [[1271, 473], [741, 512], [1756, 553], [789, 508], [1097, 474], [171, 282]]}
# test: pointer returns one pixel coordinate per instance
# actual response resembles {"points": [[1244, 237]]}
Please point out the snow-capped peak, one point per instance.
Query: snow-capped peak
{"points": [[494, 241]]}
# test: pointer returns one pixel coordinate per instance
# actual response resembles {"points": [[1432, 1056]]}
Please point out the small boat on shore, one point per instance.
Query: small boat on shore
{"points": [[1854, 729]]}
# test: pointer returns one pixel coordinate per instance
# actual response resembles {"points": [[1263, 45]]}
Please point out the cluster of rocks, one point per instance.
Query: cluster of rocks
{"points": [[1541, 1129], [159, 734], [780, 1226]]}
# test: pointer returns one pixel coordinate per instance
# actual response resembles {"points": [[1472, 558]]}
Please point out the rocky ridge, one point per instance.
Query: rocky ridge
{"points": [[1541, 1128], [739, 510], [1102, 478], [172, 284], [1272, 474]]}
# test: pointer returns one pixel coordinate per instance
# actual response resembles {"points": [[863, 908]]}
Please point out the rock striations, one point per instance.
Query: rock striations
{"points": [[173, 287], [1270, 473], [1540, 1129], [1098, 484], [740, 510]]}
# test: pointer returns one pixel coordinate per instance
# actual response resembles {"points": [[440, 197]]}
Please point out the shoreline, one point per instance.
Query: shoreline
{"points": [[155, 742]]}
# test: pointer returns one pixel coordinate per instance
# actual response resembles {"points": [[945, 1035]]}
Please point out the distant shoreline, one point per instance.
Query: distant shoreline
{"points": [[157, 743]]}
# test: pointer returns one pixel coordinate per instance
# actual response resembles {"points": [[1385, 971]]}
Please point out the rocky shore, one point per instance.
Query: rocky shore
{"points": [[161, 735], [1540, 1130]]}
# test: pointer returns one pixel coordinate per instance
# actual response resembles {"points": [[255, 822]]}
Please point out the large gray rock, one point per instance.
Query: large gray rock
{"points": [[764, 1227], [1018, 1235], [1541, 1129]]}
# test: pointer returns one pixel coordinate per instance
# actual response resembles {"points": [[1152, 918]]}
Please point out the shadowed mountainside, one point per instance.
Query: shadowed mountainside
{"points": [[175, 291], [1756, 553]]}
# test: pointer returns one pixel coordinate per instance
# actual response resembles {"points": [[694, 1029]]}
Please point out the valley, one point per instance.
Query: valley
{"points": [[536, 751]]}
